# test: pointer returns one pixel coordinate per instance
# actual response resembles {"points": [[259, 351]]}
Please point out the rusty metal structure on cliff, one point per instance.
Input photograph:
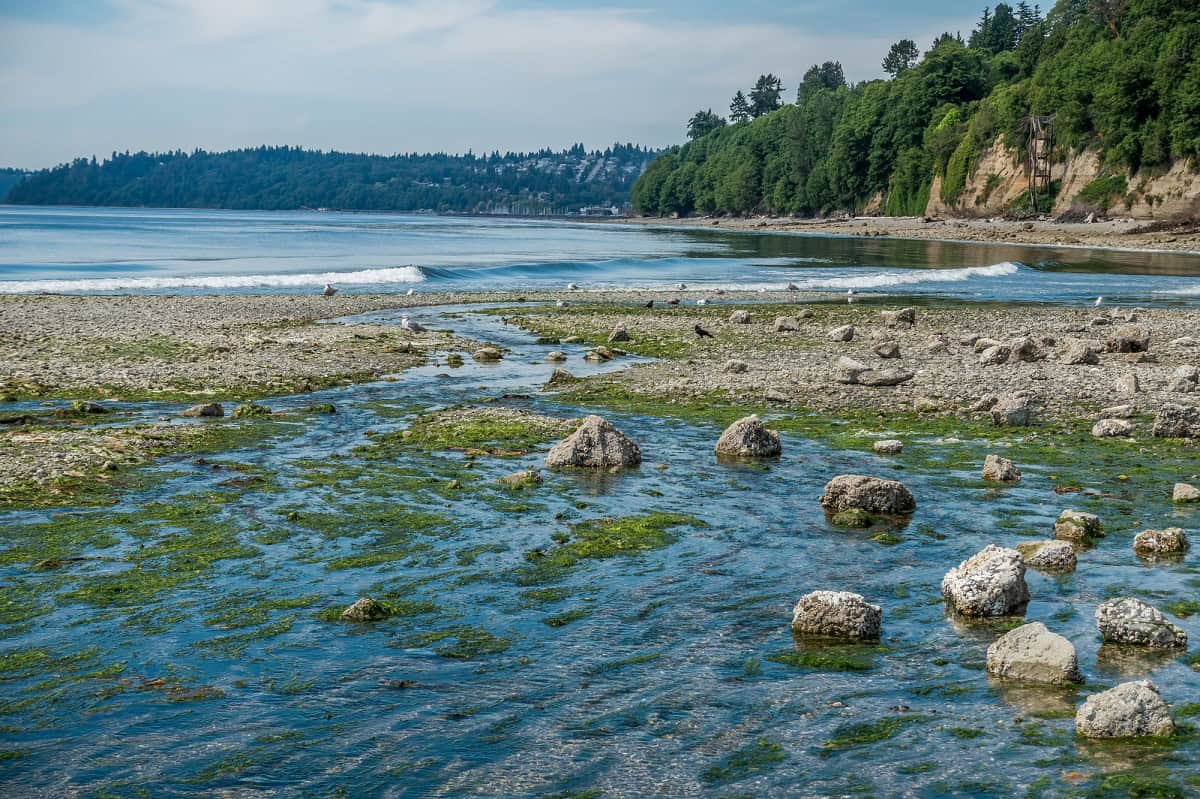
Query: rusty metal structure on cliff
{"points": [[1038, 146]]}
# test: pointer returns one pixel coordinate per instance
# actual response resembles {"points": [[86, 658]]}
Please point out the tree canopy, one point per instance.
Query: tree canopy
{"points": [[1122, 76]]}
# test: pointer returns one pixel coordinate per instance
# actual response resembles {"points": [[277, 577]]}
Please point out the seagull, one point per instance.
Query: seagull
{"points": [[650, 304], [408, 293], [793, 287], [720, 291], [1098, 301], [572, 286], [702, 301], [762, 291], [701, 332], [410, 325], [850, 296], [328, 291], [681, 286], [559, 304]]}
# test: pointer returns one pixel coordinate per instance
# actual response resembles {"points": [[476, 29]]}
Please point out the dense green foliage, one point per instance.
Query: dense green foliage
{"points": [[1123, 76], [9, 178], [290, 177]]}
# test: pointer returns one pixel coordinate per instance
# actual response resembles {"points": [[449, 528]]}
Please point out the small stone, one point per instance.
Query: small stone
{"points": [[208, 410], [887, 349], [1112, 428], [248, 409], [1131, 621], [1079, 353], [526, 478], [804, 313], [776, 395], [1130, 710], [985, 403], [556, 356], [989, 583], [735, 367], [86, 407], [837, 614], [994, 356], [559, 376], [1026, 350], [855, 517], [619, 333], [1051, 556], [982, 344], [1128, 339], [1013, 411], [1000, 470], [1171, 541], [1076, 525], [487, 354], [1127, 385], [740, 317], [888, 446], [1032, 653], [871, 494], [885, 377], [786, 324], [1185, 492], [365, 609], [848, 370], [843, 333], [748, 438], [905, 317], [1117, 412]]}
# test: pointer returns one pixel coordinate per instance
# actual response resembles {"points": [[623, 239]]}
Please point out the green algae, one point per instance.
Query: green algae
{"points": [[566, 617], [251, 608], [394, 608], [235, 644], [850, 736], [831, 658], [854, 517], [752, 759], [472, 643], [493, 431], [601, 539], [545, 596], [1183, 608]]}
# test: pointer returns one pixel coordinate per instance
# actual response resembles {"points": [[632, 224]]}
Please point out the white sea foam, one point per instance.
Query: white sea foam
{"points": [[911, 277], [363, 277], [1186, 291]]}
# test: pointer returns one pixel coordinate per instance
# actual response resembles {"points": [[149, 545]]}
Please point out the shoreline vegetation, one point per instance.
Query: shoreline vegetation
{"points": [[101, 380]]}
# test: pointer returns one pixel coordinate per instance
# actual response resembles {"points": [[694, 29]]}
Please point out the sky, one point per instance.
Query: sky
{"points": [[87, 77]]}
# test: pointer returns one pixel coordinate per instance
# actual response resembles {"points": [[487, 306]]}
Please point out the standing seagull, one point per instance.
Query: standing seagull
{"points": [[701, 332], [408, 293], [850, 296], [410, 325], [559, 304], [1098, 301], [681, 286], [328, 291], [702, 301], [572, 287]]}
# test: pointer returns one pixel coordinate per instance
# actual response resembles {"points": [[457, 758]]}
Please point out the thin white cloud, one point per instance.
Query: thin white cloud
{"points": [[381, 76]]}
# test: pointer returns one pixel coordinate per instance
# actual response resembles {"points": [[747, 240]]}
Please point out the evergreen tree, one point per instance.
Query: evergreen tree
{"points": [[703, 122], [766, 96], [902, 56], [739, 109]]}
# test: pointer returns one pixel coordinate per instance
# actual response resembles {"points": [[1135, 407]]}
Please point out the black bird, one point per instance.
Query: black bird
{"points": [[650, 304], [701, 332]]}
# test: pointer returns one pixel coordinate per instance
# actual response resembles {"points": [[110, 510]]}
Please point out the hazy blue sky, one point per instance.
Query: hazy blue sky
{"points": [[83, 77]]}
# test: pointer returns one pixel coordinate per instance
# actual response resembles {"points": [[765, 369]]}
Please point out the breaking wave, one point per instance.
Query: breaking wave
{"points": [[364, 277]]}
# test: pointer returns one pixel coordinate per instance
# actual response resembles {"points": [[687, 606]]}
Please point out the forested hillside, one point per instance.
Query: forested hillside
{"points": [[290, 177], [1122, 78]]}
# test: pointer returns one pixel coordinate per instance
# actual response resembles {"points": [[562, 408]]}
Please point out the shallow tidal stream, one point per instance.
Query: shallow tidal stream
{"points": [[196, 651]]}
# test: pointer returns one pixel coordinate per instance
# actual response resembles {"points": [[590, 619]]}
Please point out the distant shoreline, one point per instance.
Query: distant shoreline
{"points": [[1129, 235]]}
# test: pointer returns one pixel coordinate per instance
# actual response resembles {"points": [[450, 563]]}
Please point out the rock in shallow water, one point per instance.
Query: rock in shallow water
{"points": [[1052, 556], [871, 494], [1131, 710], [1112, 428], [210, 409], [1076, 525], [1185, 492], [365, 609], [748, 438], [1033, 654], [1131, 621], [595, 444], [1171, 541], [1000, 470], [888, 446], [837, 614], [989, 583]]}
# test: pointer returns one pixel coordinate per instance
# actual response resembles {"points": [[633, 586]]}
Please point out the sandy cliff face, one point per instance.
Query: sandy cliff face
{"points": [[1000, 178]]}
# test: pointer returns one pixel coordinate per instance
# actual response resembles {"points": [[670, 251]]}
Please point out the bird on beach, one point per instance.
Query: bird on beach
{"points": [[702, 301], [850, 296], [411, 326], [328, 291], [1098, 301], [681, 286], [720, 291], [572, 286], [409, 293], [650, 304], [701, 332], [792, 287], [560, 304]]}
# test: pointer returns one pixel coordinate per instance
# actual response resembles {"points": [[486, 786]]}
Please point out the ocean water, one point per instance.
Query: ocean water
{"points": [[146, 250], [180, 650]]}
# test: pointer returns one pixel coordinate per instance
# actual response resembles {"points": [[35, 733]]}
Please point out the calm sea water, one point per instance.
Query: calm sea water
{"points": [[154, 667], [73, 250]]}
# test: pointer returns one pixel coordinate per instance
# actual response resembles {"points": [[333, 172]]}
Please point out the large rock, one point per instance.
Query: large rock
{"points": [[1112, 428], [994, 356], [1171, 541], [1076, 525], [556, 356], [1127, 385], [887, 349], [786, 324], [1131, 710], [989, 583], [596, 444], [740, 317], [206, 410], [560, 376], [487, 354], [885, 377], [1033, 654], [748, 438], [888, 446], [1000, 470], [905, 317], [1131, 621], [1185, 492], [1128, 338], [1025, 349], [365, 609], [619, 333], [837, 614], [1013, 410], [1079, 353], [871, 494], [1050, 556], [1177, 421], [843, 333], [249, 409], [849, 370]]}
